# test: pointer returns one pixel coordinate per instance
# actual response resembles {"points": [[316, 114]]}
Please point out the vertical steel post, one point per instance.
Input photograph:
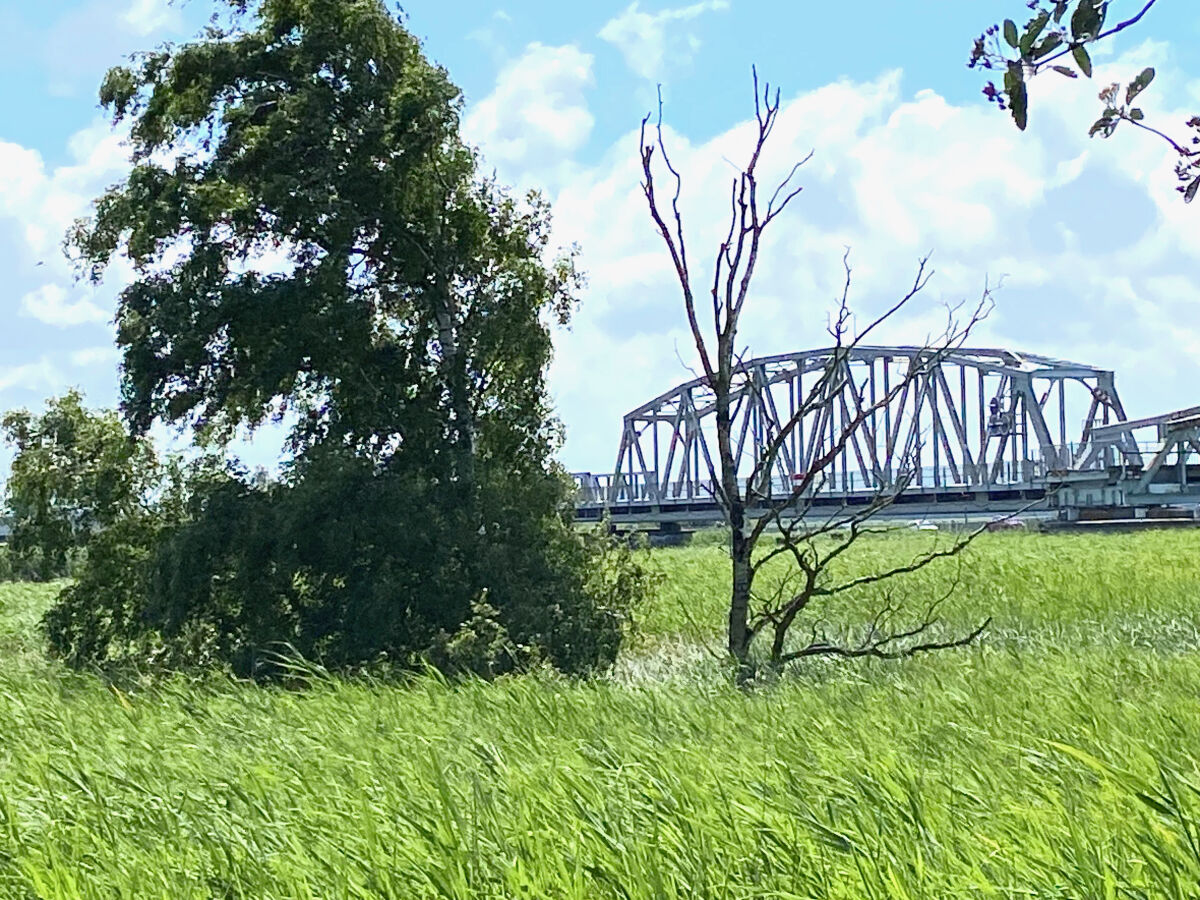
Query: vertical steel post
{"points": [[798, 454], [1063, 461], [981, 456], [935, 430], [875, 475]]}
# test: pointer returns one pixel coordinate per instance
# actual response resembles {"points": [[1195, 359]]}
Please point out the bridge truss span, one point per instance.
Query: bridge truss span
{"points": [[955, 422]]}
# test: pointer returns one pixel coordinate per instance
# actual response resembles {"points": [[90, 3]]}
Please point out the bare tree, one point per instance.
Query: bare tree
{"points": [[750, 509]]}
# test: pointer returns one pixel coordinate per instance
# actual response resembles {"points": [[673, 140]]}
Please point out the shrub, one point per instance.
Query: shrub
{"points": [[352, 569]]}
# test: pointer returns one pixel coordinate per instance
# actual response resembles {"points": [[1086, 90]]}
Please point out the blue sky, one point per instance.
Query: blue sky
{"points": [[1098, 257]]}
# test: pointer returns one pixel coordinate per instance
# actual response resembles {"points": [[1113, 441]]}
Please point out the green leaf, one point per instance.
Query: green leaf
{"points": [[1096, 765], [827, 835], [1018, 97], [1010, 33], [1082, 59], [1060, 7], [1139, 84], [1065, 70], [1136, 114], [1192, 189], [1033, 31], [1086, 20], [1157, 805], [1051, 43]]}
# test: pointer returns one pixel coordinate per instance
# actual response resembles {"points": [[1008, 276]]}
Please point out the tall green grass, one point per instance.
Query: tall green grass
{"points": [[1140, 589], [1056, 759]]}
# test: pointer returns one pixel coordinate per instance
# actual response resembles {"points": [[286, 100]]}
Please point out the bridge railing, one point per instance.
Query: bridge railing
{"points": [[621, 490], [642, 488]]}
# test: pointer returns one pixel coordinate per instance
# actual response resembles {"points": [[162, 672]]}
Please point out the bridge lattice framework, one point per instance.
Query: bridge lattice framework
{"points": [[960, 420]]}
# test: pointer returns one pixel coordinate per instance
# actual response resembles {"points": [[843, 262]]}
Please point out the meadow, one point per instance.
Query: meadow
{"points": [[1054, 759]]}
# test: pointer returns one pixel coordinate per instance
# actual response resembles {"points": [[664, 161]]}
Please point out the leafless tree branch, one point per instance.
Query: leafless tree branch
{"points": [[880, 649], [748, 505]]}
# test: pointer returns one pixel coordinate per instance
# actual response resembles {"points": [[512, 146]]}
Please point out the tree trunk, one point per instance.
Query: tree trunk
{"points": [[739, 601], [740, 548]]}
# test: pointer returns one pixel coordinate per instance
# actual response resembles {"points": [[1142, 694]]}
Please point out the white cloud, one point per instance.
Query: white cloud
{"points": [[95, 356], [40, 375], [1097, 250], [21, 170], [651, 42], [45, 202], [38, 202], [49, 304], [146, 16], [537, 116]]}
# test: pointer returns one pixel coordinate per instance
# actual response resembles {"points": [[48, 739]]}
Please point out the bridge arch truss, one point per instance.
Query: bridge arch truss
{"points": [[960, 421]]}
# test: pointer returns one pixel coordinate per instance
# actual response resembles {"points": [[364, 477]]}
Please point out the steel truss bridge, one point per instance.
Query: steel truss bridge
{"points": [[945, 432]]}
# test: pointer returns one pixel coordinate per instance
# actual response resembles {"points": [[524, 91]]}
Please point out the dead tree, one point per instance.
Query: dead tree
{"points": [[810, 545]]}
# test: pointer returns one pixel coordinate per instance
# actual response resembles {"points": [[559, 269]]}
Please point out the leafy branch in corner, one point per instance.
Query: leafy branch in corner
{"points": [[1052, 40]]}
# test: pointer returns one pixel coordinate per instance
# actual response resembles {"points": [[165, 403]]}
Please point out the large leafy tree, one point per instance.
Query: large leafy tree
{"points": [[310, 237], [313, 243]]}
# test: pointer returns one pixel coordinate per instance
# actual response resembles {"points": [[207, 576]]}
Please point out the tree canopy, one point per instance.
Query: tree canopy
{"points": [[75, 472], [311, 238], [313, 243]]}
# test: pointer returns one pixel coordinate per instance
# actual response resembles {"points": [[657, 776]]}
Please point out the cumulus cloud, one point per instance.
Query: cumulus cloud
{"points": [[1096, 252], [49, 304], [537, 115], [95, 356], [37, 205], [38, 201], [148, 16], [42, 375], [652, 42], [45, 201]]}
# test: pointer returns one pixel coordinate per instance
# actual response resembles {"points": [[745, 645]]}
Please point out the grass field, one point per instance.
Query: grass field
{"points": [[1055, 759]]}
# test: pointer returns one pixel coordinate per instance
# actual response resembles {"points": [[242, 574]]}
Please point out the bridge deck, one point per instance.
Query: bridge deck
{"points": [[1043, 496]]}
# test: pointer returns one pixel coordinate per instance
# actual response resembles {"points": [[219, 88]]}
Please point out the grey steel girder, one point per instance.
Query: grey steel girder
{"points": [[975, 420]]}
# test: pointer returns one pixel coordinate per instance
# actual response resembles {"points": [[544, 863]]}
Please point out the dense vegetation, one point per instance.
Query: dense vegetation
{"points": [[1054, 759], [74, 473], [314, 244]]}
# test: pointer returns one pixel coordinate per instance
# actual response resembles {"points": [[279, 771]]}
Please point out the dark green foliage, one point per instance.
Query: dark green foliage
{"points": [[99, 618], [347, 567], [313, 243], [75, 472], [1018, 98]]}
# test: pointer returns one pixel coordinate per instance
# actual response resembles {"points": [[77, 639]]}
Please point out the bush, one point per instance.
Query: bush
{"points": [[350, 568]]}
